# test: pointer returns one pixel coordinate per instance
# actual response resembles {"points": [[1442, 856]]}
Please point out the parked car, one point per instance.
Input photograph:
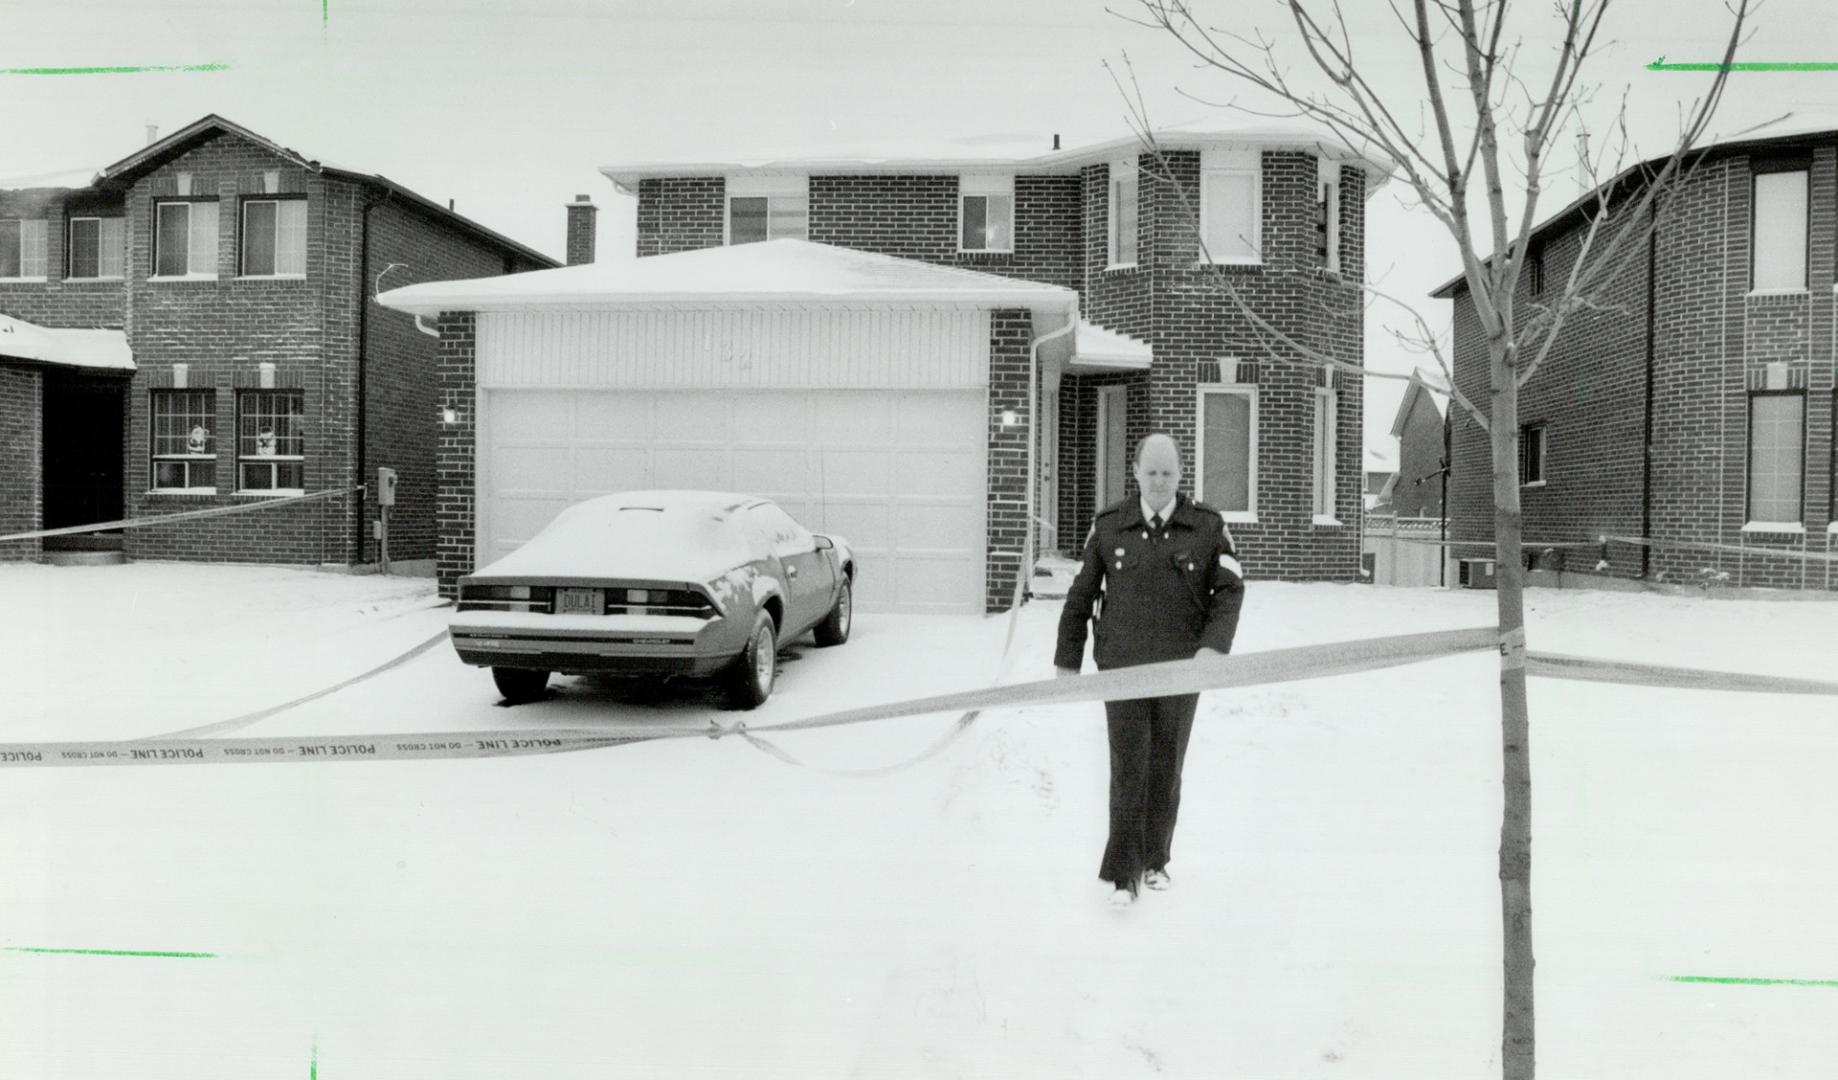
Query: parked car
{"points": [[656, 583]]}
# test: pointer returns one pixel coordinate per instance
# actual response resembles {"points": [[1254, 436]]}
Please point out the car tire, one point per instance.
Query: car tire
{"points": [[520, 686], [749, 681], [834, 629]]}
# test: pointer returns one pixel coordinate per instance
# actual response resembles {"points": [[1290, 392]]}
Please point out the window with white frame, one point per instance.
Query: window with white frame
{"points": [[768, 208], [96, 249], [185, 239], [1231, 201], [1123, 189], [1326, 427], [274, 238], [1225, 469], [270, 442], [1330, 213], [22, 249], [184, 451], [1533, 440], [1777, 450], [986, 213], [1780, 231]]}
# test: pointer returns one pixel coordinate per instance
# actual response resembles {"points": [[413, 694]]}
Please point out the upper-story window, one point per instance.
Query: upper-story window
{"points": [[1231, 206], [986, 213], [274, 237], [1780, 231], [95, 250], [768, 208], [185, 238], [1123, 189], [22, 249], [1329, 194]]}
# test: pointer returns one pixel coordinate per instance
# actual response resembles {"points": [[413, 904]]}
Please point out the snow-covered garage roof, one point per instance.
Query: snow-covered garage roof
{"points": [[1098, 346], [96, 349], [768, 272]]}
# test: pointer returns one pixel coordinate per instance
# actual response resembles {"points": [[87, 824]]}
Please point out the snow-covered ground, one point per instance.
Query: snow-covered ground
{"points": [[697, 908]]}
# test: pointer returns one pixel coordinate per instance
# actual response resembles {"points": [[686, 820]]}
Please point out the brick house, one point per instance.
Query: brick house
{"points": [[1027, 296], [190, 328], [1697, 406], [1416, 490]]}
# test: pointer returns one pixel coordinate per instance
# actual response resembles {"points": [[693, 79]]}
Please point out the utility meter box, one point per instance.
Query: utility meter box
{"points": [[386, 487]]}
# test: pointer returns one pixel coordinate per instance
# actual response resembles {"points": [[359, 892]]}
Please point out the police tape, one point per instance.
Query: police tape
{"points": [[1148, 680], [1733, 549], [184, 515]]}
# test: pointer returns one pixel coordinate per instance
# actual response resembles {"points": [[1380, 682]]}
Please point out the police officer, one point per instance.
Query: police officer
{"points": [[1160, 581]]}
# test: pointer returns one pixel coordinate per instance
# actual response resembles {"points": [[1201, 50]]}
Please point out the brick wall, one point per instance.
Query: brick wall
{"points": [[21, 509], [456, 495], [681, 214], [401, 388], [1711, 339], [1010, 331]]}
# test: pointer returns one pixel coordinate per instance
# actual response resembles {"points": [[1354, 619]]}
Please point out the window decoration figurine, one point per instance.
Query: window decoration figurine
{"points": [[264, 442], [199, 442]]}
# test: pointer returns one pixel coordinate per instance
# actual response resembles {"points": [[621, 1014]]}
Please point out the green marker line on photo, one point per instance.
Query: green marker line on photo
{"points": [[1755, 65], [113, 952], [312, 1069], [125, 69], [1732, 981]]}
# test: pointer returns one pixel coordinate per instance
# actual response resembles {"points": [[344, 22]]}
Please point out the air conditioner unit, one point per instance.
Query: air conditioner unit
{"points": [[1477, 574]]}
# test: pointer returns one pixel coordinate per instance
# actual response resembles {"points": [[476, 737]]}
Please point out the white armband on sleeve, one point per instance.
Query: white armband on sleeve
{"points": [[1230, 564]]}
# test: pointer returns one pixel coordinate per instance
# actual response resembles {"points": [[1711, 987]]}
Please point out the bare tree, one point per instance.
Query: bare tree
{"points": [[1471, 117]]}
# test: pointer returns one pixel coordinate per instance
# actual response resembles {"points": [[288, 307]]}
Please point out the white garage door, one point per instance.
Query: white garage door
{"points": [[899, 474]]}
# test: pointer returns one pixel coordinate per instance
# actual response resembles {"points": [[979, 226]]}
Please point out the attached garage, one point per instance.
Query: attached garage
{"points": [[876, 398]]}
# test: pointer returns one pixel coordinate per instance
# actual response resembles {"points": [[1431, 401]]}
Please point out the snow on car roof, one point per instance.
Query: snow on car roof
{"points": [[655, 535]]}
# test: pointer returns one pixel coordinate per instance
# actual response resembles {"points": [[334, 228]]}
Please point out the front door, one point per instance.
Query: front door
{"points": [[83, 450], [1113, 464]]}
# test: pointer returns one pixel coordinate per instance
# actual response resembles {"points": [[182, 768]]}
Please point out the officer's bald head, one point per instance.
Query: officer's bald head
{"points": [[1158, 469]]}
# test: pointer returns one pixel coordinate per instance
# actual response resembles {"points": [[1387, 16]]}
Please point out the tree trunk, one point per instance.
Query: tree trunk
{"points": [[1518, 1041]]}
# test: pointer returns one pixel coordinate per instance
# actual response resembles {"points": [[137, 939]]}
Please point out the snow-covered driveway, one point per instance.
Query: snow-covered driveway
{"points": [[696, 908]]}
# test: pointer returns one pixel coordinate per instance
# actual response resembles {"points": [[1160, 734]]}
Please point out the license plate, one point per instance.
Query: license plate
{"points": [[578, 602]]}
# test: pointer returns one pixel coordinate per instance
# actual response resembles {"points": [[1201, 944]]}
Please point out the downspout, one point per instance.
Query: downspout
{"points": [[1442, 480], [1029, 550], [363, 313], [1646, 424]]}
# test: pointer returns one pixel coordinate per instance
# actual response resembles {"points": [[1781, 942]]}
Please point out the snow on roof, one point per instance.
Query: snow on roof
{"points": [[1099, 347], [771, 271], [1007, 153], [98, 349], [67, 179], [1380, 459]]}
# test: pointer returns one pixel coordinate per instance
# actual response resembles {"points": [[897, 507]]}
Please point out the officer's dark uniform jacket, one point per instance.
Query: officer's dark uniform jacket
{"points": [[1152, 598]]}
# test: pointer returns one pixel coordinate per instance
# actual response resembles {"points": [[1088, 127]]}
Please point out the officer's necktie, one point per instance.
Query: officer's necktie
{"points": [[1155, 524]]}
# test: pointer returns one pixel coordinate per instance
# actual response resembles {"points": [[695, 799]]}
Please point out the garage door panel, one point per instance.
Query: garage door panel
{"points": [[938, 472], [899, 474]]}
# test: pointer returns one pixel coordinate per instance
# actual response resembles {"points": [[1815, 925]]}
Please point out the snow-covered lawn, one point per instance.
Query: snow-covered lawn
{"points": [[697, 908]]}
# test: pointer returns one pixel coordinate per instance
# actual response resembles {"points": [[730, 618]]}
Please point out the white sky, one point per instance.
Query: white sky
{"points": [[510, 108]]}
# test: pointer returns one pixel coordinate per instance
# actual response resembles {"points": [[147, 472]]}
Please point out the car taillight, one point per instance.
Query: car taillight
{"points": [[659, 602], [538, 598]]}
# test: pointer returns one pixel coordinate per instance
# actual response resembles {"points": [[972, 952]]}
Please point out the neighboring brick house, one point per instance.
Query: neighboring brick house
{"points": [[1155, 345], [1417, 489], [1696, 405], [234, 277]]}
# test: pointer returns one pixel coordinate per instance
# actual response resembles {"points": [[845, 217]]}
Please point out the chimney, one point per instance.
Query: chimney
{"points": [[581, 215], [153, 134], [1056, 140]]}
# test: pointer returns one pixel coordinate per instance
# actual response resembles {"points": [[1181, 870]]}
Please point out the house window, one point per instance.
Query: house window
{"points": [[1534, 270], [1226, 469], [1777, 450], [185, 239], [1231, 199], [96, 249], [1326, 428], [270, 442], [22, 249], [1123, 189], [1532, 445], [1780, 231], [184, 446], [768, 208], [274, 238], [986, 213], [1330, 214]]}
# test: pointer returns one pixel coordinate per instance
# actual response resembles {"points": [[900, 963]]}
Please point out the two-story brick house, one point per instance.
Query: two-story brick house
{"points": [[1059, 306], [192, 328], [1694, 406]]}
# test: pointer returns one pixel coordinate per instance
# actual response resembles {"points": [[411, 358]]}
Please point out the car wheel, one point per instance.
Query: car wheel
{"points": [[750, 679], [518, 685], [834, 629]]}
